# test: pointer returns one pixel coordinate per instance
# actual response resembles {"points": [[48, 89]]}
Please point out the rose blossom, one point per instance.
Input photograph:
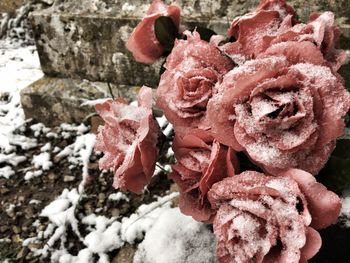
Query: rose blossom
{"points": [[192, 70], [321, 32], [270, 18], [128, 140], [285, 111], [267, 219], [143, 43], [201, 162]]}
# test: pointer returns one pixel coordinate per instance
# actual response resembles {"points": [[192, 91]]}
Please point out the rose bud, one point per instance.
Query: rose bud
{"points": [[143, 43], [201, 162], [128, 141]]}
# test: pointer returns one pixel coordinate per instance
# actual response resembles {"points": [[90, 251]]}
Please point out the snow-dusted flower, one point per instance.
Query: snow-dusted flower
{"points": [[129, 141], [193, 69], [143, 42], [252, 31], [271, 219], [321, 32], [285, 111], [201, 162]]}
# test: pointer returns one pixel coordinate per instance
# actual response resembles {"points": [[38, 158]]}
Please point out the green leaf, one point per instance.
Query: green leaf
{"points": [[166, 32], [336, 174], [205, 33]]}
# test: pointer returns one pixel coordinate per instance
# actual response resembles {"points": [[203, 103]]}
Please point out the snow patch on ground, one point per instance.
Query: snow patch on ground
{"points": [[105, 234], [175, 238]]}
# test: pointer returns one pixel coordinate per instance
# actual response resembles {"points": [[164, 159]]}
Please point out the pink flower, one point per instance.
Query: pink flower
{"points": [[143, 43], [267, 219], [192, 70], [201, 162], [271, 18], [321, 32], [284, 111], [129, 141]]}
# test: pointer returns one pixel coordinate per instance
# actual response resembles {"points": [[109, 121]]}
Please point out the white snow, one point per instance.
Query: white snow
{"points": [[42, 161], [6, 172], [118, 197], [176, 238], [31, 174], [105, 234], [19, 67], [345, 210]]}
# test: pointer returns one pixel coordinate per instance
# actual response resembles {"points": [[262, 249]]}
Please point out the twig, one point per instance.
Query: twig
{"points": [[110, 90]]}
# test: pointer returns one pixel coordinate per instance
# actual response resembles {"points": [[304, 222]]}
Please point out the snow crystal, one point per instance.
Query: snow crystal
{"points": [[29, 175], [104, 238], [12, 159], [81, 129], [93, 103], [46, 147], [118, 197], [6, 172], [175, 238], [167, 131], [39, 128], [162, 121], [345, 211], [128, 7], [134, 227], [42, 161]]}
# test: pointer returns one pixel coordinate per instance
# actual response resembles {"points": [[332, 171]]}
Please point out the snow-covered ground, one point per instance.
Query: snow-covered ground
{"points": [[178, 238]]}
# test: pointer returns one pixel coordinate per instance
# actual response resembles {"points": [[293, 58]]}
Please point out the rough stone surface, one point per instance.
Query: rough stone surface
{"points": [[86, 39], [10, 6], [53, 101]]}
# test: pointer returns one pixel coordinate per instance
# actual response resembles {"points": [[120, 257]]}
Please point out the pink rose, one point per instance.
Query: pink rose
{"points": [[321, 32], [129, 141], [284, 111], [271, 18], [143, 43], [267, 219], [201, 162], [193, 68]]}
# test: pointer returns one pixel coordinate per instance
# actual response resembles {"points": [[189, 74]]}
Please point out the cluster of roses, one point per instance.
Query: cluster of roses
{"points": [[273, 93]]}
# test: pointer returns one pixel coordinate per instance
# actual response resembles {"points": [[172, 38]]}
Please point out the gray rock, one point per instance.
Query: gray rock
{"points": [[86, 39], [53, 101]]}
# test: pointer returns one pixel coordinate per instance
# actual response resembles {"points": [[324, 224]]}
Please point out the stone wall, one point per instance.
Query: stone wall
{"points": [[86, 39], [10, 6]]}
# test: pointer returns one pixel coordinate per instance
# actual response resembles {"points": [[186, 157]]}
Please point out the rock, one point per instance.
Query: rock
{"points": [[53, 101], [52, 176], [22, 253], [89, 47], [16, 229], [28, 212], [101, 197], [4, 191], [84, 39], [10, 6], [3, 229], [68, 178], [125, 254]]}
